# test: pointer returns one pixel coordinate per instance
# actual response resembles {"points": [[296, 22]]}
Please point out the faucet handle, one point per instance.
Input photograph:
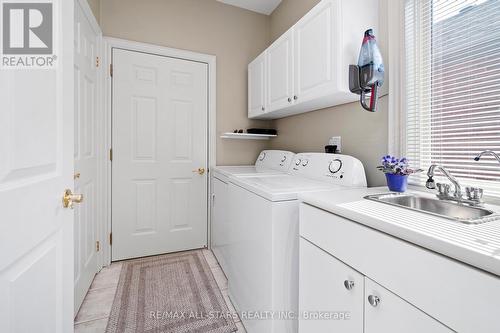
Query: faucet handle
{"points": [[444, 189], [474, 193]]}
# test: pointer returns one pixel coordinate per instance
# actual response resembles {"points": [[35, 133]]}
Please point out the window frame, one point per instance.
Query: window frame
{"points": [[397, 113]]}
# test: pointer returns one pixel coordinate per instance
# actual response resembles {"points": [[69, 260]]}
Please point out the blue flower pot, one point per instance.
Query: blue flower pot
{"points": [[397, 183]]}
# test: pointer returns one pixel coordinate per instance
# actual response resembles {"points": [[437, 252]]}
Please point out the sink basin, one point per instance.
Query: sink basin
{"points": [[447, 209]]}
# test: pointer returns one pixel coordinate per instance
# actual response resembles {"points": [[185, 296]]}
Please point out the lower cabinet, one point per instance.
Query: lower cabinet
{"points": [[333, 297], [328, 288], [385, 312]]}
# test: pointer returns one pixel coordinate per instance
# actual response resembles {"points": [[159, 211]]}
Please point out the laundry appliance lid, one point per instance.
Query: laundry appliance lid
{"points": [[281, 187], [242, 170]]}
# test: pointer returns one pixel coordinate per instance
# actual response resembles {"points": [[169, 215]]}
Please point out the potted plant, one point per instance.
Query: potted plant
{"points": [[396, 172]]}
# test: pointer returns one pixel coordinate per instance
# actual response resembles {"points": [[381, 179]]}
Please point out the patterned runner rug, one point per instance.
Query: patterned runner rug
{"points": [[173, 293]]}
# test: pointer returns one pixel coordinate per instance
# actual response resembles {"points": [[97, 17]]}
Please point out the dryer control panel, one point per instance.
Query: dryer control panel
{"points": [[280, 160], [334, 168]]}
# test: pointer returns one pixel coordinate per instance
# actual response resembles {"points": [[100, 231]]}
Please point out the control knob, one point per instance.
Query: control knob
{"points": [[335, 166]]}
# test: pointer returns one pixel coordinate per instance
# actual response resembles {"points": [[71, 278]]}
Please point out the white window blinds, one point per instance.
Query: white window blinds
{"points": [[452, 83]]}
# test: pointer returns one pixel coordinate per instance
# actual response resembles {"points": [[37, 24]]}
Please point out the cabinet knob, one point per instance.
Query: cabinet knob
{"points": [[289, 99], [263, 108], [348, 284], [374, 300], [295, 97]]}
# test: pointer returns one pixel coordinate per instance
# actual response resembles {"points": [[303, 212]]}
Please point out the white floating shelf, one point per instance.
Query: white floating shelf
{"points": [[247, 136]]}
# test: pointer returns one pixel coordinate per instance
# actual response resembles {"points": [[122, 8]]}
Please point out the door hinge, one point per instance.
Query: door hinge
{"points": [[97, 246], [97, 62], [110, 238], [111, 70], [111, 154]]}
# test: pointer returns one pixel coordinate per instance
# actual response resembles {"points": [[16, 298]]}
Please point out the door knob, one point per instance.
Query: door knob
{"points": [[69, 199], [200, 171]]}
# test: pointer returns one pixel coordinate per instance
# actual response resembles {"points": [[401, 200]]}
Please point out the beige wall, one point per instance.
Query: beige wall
{"points": [[234, 35], [364, 134], [287, 14], [95, 5]]}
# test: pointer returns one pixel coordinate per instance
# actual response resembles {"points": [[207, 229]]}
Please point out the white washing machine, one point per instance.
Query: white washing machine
{"points": [[269, 162], [264, 237]]}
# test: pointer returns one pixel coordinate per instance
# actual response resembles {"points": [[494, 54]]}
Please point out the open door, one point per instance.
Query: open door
{"points": [[88, 148], [36, 169]]}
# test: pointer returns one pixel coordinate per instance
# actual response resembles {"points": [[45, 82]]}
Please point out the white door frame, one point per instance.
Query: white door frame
{"points": [[210, 60]]}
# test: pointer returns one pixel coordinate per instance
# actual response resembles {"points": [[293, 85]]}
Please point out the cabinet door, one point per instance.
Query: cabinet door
{"points": [[257, 86], [316, 48], [394, 315], [328, 286], [280, 72], [219, 221]]}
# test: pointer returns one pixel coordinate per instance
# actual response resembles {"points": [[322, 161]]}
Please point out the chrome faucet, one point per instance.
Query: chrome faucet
{"points": [[474, 194], [490, 152], [430, 184]]}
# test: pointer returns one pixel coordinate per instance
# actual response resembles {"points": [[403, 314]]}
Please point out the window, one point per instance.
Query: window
{"points": [[452, 88]]}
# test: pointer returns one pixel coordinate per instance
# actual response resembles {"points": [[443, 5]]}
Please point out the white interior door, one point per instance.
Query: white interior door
{"points": [[86, 154], [159, 200], [36, 166]]}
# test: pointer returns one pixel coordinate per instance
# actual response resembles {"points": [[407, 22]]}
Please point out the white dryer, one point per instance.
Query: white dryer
{"points": [[264, 237], [269, 162]]}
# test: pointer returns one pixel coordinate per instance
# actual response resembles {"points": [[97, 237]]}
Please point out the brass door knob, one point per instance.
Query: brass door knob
{"points": [[69, 199], [200, 171]]}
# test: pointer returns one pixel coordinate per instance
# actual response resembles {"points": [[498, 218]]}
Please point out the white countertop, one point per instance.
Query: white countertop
{"points": [[477, 245]]}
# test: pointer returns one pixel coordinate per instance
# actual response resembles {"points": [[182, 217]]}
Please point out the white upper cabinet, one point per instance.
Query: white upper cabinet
{"points": [[308, 66], [280, 73], [314, 49], [257, 86]]}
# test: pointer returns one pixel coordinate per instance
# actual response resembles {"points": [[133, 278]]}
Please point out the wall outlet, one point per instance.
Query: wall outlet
{"points": [[336, 141]]}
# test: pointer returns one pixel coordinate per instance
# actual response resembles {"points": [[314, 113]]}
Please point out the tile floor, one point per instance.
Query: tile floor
{"points": [[96, 307]]}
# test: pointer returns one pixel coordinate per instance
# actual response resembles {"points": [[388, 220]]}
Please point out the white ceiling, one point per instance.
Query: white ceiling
{"points": [[259, 6]]}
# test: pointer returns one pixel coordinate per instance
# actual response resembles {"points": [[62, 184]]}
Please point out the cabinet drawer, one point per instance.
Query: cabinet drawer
{"points": [[460, 296]]}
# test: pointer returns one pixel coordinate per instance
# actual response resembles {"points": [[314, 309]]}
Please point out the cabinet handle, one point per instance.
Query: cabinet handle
{"points": [[295, 97], [289, 100], [374, 300], [348, 284]]}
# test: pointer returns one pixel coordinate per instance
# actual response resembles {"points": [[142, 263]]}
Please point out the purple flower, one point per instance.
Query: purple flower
{"points": [[393, 165]]}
